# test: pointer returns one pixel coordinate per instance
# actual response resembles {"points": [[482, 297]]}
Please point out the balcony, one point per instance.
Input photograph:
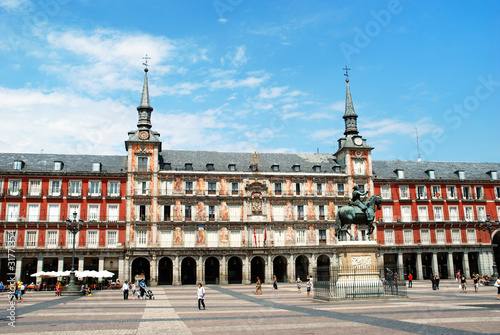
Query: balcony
{"points": [[113, 195], [74, 195], [14, 193], [33, 193], [95, 194]]}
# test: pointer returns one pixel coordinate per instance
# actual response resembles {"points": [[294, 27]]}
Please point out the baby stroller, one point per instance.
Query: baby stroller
{"points": [[149, 294]]}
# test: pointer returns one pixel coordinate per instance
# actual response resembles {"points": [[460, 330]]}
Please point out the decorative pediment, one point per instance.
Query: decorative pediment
{"points": [[256, 187]]}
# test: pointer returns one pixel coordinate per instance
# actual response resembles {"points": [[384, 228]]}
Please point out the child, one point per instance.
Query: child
{"points": [[299, 283], [309, 285]]}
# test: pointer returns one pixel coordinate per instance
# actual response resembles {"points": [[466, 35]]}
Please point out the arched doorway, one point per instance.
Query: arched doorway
{"points": [[165, 271], [28, 268], [188, 271], [212, 270], [140, 269], [257, 269], [302, 267], [234, 270], [496, 250], [279, 268], [323, 268]]}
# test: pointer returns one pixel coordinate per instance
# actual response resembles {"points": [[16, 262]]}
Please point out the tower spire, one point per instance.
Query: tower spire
{"points": [[350, 116], [145, 108]]}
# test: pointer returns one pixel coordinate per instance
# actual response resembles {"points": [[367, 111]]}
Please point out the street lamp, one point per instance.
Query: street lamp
{"points": [[73, 226], [490, 228]]}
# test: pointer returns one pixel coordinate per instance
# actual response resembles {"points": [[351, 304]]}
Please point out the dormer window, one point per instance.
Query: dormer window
{"points": [[232, 167], [210, 167], [296, 168], [167, 166], [400, 173], [493, 175], [58, 166], [336, 169], [96, 167], [188, 166], [275, 168], [18, 165], [431, 174], [254, 168], [317, 168], [461, 174]]}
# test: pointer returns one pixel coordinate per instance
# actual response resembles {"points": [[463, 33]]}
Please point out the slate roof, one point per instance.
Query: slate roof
{"points": [[221, 160], [442, 170], [71, 163]]}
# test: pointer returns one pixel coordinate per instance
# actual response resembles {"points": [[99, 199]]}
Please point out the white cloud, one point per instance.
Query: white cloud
{"points": [[237, 56], [15, 4], [390, 126], [271, 92], [338, 106], [222, 20], [325, 135]]}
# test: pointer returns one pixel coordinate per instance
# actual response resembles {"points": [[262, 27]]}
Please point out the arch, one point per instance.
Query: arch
{"points": [[165, 271], [302, 267], [257, 269], [212, 266], [323, 268], [234, 270], [279, 268], [140, 269], [188, 271], [495, 239]]}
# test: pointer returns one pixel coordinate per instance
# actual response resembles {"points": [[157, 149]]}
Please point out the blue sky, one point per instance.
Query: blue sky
{"points": [[238, 75]]}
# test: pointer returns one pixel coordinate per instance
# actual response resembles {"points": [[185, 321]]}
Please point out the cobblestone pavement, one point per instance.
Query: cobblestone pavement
{"points": [[234, 309]]}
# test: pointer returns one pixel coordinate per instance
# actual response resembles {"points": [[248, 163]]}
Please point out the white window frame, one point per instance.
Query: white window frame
{"points": [[92, 191], [55, 192], [30, 216], [6, 240], [467, 196], [359, 167], [425, 236], [389, 237], [497, 192], [387, 214], [92, 238], [456, 237], [111, 238], [453, 216], [72, 208], [385, 191], [404, 192], [113, 218], [52, 242], [15, 186], [35, 191], [91, 215], [31, 239], [451, 189], [141, 238], [440, 236], [435, 190], [421, 195], [12, 212], [300, 237], [189, 238], [481, 213], [53, 217], [406, 213], [438, 213], [469, 213], [480, 196], [408, 236], [70, 188], [113, 194], [69, 239], [423, 213], [471, 236]]}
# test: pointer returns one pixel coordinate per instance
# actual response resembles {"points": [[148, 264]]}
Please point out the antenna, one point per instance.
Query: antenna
{"points": [[418, 149]]}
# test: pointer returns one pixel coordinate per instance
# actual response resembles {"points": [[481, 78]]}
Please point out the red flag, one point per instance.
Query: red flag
{"points": [[265, 235], [255, 235]]}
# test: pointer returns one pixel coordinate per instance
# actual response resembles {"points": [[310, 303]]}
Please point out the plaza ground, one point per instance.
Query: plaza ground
{"points": [[235, 309]]}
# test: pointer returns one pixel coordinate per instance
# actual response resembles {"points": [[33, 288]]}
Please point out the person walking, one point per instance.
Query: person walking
{"points": [[258, 287], [475, 281], [125, 289], [497, 285], [58, 289], [410, 280], [201, 296], [275, 283], [20, 287], [433, 280], [1, 287], [309, 287], [463, 282], [437, 279], [132, 288], [142, 287], [16, 292], [299, 284]]}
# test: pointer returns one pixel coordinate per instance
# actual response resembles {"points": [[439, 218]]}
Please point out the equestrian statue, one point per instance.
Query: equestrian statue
{"points": [[357, 212]]}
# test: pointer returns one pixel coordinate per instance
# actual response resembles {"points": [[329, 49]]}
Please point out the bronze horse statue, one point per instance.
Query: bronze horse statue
{"points": [[348, 215]]}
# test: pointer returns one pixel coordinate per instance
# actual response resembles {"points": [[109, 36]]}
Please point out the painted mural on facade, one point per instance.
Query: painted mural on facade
{"points": [[178, 211], [178, 242], [288, 211], [223, 186], [311, 235], [201, 214], [311, 215], [224, 236], [331, 237], [309, 187], [200, 186], [330, 188], [290, 236], [200, 237], [288, 187], [330, 211], [223, 212], [178, 185]]}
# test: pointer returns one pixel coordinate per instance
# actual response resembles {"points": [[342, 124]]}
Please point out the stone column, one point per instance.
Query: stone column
{"points": [[270, 270], [101, 264], [60, 264], [121, 270], [199, 270], [435, 267], [223, 271], [246, 271], [401, 272], [451, 270], [312, 263], [39, 267], [153, 271], [176, 271], [19, 264], [81, 263], [289, 269], [420, 274], [465, 264]]}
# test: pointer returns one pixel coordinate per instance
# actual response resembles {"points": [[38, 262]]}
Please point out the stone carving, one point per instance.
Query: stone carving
{"points": [[361, 262]]}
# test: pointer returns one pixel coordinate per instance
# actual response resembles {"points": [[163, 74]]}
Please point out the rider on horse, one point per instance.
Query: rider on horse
{"points": [[356, 201]]}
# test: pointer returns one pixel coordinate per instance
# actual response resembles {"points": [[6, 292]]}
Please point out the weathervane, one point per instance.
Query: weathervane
{"points": [[146, 61], [346, 73]]}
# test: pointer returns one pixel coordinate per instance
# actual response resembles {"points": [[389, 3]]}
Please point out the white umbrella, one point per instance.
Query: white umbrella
{"points": [[41, 274], [105, 274]]}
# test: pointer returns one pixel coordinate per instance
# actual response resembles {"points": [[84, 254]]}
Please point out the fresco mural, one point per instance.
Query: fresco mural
{"points": [[224, 236], [330, 211], [178, 211], [290, 236], [178, 237], [200, 237], [309, 187], [331, 237], [311, 215], [223, 186], [178, 185], [311, 235], [330, 188], [201, 214], [223, 212], [288, 211], [200, 186], [288, 187]]}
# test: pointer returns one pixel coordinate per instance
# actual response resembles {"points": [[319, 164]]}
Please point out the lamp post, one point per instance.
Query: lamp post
{"points": [[73, 226], [490, 228]]}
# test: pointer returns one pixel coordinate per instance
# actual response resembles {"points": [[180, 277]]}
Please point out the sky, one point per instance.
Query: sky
{"points": [[241, 75]]}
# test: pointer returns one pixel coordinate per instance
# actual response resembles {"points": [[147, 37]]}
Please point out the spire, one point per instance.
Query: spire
{"points": [[350, 116], [144, 108]]}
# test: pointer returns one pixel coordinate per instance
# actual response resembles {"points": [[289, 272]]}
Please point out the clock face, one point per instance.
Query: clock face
{"points": [[358, 141], [143, 135]]}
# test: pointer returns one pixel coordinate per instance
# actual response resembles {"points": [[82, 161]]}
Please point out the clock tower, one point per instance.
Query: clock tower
{"points": [[354, 154]]}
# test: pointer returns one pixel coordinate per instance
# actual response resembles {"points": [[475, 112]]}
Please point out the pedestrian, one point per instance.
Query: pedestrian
{"points": [[433, 280], [299, 283], [497, 285], [201, 296], [475, 281], [275, 283], [58, 289], [463, 282], [16, 292], [125, 289], [142, 287], [309, 287], [132, 288], [410, 280], [19, 289], [258, 287], [1, 287], [437, 279]]}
